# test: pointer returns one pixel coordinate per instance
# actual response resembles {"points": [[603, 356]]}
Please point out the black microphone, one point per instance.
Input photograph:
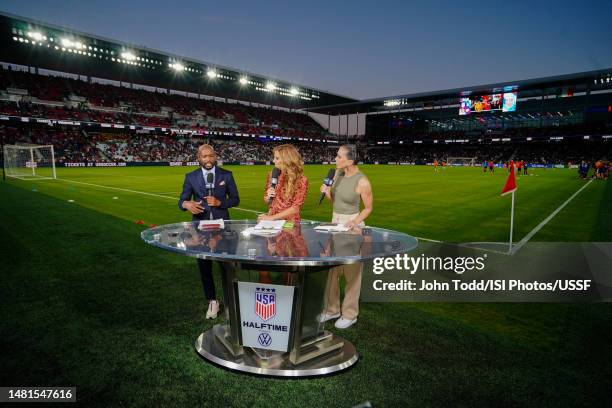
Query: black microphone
{"points": [[210, 183], [210, 187], [328, 181], [273, 182]]}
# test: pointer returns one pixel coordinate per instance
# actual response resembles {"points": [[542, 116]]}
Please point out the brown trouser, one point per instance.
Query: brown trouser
{"points": [[352, 275]]}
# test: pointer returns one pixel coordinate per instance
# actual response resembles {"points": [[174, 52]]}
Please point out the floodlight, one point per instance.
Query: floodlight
{"points": [[35, 35], [177, 66]]}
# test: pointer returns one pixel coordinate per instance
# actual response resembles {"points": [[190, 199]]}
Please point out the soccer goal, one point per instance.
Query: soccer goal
{"points": [[461, 161], [29, 161]]}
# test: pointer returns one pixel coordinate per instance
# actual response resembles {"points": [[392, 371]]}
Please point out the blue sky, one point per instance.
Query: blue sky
{"points": [[363, 50]]}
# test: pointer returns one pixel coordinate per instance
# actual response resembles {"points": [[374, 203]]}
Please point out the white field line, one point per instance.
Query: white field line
{"points": [[538, 227], [465, 245], [468, 245]]}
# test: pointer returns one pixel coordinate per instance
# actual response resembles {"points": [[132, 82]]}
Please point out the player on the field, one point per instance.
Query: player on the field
{"points": [[599, 170], [491, 167], [583, 170], [435, 165]]}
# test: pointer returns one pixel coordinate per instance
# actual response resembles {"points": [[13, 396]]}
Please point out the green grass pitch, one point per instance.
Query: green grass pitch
{"points": [[86, 303]]}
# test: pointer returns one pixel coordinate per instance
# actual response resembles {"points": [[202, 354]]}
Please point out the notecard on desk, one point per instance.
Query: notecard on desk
{"points": [[260, 232], [331, 228], [211, 224], [270, 225]]}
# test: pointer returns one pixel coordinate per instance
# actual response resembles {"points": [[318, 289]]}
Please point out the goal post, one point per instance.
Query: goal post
{"points": [[29, 161], [461, 161]]}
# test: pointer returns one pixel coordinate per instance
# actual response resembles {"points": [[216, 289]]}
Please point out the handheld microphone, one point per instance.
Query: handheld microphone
{"points": [[273, 182], [328, 181], [210, 183], [210, 187]]}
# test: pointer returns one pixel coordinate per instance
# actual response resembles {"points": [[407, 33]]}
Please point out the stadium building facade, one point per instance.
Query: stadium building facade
{"points": [[552, 108]]}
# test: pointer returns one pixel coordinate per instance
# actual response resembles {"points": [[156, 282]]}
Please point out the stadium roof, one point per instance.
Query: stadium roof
{"points": [[579, 82], [28, 42]]}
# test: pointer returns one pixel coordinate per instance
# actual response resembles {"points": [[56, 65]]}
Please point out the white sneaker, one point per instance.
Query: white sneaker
{"points": [[213, 309], [343, 323], [323, 317]]}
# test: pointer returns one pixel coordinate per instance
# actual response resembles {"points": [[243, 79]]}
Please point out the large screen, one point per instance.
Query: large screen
{"points": [[505, 102]]}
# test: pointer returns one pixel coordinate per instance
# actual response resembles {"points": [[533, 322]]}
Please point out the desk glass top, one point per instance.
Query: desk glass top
{"points": [[300, 245]]}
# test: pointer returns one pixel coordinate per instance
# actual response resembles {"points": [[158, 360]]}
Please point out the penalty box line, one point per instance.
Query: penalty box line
{"points": [[552, 215]]}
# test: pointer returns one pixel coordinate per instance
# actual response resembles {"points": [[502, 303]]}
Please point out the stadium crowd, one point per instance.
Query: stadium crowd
{"points": [[534, 152], [73, 144], [78, 145], [30, 95]]}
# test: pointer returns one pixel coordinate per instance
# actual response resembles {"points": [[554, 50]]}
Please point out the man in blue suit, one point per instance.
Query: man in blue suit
{"points": [[196, 199]]}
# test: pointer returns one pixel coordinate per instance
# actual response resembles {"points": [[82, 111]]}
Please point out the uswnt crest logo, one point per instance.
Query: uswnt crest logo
{"points": [[265, 303]]}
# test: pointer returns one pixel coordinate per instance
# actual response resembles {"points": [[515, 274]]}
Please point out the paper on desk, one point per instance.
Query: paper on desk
{"points": [[331, 228], [270, 225], [211, 224], [260, 232]]}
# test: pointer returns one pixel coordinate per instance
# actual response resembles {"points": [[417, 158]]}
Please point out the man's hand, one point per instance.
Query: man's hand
{"points": [[194, 207], [325, 189], [212, 201]]}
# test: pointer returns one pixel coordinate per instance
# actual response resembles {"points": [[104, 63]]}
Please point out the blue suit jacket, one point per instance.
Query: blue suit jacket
{"points": [[225, 191]]}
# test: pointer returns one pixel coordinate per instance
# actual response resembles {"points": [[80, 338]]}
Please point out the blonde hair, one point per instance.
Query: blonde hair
{"points": [[291, 165]]}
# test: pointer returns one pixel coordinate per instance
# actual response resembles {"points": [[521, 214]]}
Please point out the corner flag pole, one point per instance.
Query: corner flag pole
{"points": [[510, 187], [511, 223]]}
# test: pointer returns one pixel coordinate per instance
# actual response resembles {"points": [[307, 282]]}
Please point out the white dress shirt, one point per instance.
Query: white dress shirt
{"points": [[205, 173]]}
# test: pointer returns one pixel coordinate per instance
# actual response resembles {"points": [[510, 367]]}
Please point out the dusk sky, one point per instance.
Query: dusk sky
{"points": [[362, 50]]}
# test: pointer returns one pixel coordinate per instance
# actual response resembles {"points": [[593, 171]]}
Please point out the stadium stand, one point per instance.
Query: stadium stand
{"points": [[241, 133], [32, 95]]}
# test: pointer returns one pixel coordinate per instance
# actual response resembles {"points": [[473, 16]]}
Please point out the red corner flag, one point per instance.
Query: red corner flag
{"points": [[510, 186]]}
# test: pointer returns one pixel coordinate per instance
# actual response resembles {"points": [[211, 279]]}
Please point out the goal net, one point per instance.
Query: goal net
{"points": [[29, 161], [461, 161]]}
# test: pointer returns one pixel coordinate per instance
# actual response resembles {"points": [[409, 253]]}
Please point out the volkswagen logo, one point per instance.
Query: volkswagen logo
{"points": [[264, 339]]}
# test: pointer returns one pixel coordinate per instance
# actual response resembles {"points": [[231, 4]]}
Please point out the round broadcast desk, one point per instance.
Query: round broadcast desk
{"points": [[274, 289]]}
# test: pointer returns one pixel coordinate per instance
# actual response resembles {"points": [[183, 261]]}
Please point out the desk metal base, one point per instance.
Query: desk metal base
{"points": [[264, 362]]}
